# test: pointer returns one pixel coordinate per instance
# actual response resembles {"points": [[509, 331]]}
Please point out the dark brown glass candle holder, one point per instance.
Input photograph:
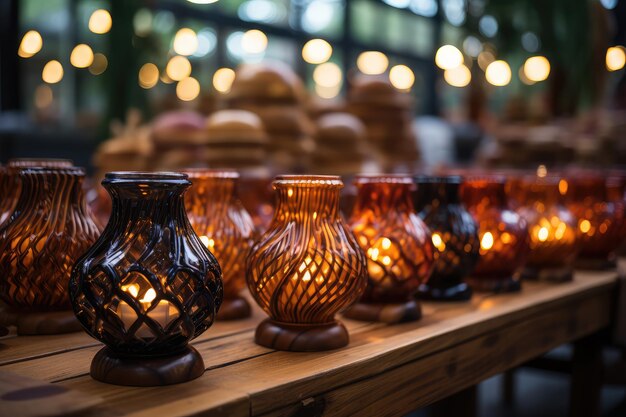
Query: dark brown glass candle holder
{"points": [[226, 228], [502, 235], [397, 246], [454, 235], [552, 229], [50, 228], [599, 220], [148, 285], [306, 268]]}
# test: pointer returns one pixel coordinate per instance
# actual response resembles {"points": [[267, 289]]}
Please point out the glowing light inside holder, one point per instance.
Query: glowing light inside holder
{"points": [[81, 56], [448, 57], [372, 62], [615, 58], [486, 241], [254, 42], [163, 313], [100, 21], [223, 79], [317, 51], [52, 72], [584, 225], [148, 75], [31, 44], [178, 68], [327, 75], [188, 89], [537, 68], [401, 77], [498, 73], [185, 42], [438, 242], [458, 77]]}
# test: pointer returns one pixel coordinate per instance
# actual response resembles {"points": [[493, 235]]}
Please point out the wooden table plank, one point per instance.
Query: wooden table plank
{"points": [[259, 380]]}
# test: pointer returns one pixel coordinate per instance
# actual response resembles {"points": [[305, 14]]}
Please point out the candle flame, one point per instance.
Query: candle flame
{"points": [[149, 296], [584, 226], [542, 234], [438, 242], [132, 289], [386, 243], [486, 242]]}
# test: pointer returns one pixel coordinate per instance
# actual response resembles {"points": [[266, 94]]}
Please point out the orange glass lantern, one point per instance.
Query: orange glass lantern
{"points": [[502, 234], [226, 229], [552, 228], [397, 246], [48, 231], [599, 220], [454, 235], [306, 268]]}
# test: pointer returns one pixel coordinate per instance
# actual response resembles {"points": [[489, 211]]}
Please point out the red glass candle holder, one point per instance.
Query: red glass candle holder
{"points": [[599, 220], [226, 229], [552, 229], [306, 268], [148, 285], [454, 235], [502, 235], [397, 246], [39, 244]]}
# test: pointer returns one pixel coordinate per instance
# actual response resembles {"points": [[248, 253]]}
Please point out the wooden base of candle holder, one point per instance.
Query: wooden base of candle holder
{"points": [[234, 309], [146, 371], [497, 285], [42, 323], [301, 337], [596, 264], [385, 313], [458, 292], [558, 274]]}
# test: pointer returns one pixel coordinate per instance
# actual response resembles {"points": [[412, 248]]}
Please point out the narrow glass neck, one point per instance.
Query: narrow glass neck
{"points": [[437, 193], [383, 197], [483, 194], [50, 189], [303, 197]]}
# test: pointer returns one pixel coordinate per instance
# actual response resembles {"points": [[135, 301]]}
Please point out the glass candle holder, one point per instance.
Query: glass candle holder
{"points": [[599, 220], [454, 235], [306, 268], [397, 245], [39, 244], [552, 228], [148, 285], [225, 228], [502, 234], [257, 198], [14, 186]]}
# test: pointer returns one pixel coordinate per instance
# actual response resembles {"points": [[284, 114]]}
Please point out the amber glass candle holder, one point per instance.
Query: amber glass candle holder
{"points": [[257, 197], [306, 268], [552, 229], [49, 230], [599, 220], [397, 245], [148, 285], [502, 234], [226, 228], [454, 235], [9, 199]]}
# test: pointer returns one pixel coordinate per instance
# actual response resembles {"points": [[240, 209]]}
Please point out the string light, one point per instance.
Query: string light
{"points": [[178, 68], [401, 77], [458, 77], [100, 21], [327, 92], [81, 56], [223, 79], [537, 68], [99, 64], [30, 45], [498, 73], [327, 75], [185, 42], [254, 42], [448, 57], [52, 72], [187, 89], [317, 51], [615, 58], [148, 75], [372, 62]]}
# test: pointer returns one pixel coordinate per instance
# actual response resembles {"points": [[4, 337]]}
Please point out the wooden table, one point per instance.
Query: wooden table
{"points": [[386, 370]]}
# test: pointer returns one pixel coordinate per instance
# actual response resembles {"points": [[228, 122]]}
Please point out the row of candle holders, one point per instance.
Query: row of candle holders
{"points": [[150, 281]]}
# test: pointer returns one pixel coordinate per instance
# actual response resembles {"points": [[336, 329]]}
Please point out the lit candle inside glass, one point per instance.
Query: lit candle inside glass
{"points": [[163, 313]]}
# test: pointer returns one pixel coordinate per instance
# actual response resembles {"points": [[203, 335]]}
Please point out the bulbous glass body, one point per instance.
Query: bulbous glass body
{"points": [[502, 235], [599, 220], [308, 266], [552, 228], [454, 235], [224, 226], [148, 285], [49, 229], [396, 242]]}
